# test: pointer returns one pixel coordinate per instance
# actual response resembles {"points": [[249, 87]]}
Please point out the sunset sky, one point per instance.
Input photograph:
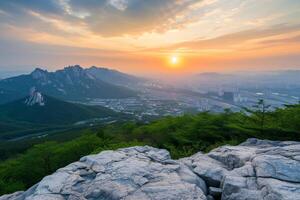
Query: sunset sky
{"points": [[151, 36]]}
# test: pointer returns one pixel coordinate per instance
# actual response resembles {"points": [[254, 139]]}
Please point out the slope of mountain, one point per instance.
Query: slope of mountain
{"points": [[10, 95], [9, 126], [71, 83], [113, 76], [255, 169], [41, 109]]}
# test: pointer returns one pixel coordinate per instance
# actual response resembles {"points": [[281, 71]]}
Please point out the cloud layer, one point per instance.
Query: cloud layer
{"points": [[105, 17], [151, 29]]}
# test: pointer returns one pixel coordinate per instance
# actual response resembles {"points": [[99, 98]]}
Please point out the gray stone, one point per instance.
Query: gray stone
{"points": [[271, 172], [277, 167], [273, 189], [210, 170], [131, 173], [14, 196], [240, 188], [232, 156]]}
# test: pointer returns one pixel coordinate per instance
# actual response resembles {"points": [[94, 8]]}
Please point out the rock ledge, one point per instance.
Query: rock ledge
{"points": [[253, 170]]}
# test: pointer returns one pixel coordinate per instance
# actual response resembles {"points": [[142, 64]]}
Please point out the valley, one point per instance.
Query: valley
{"points": [[43, 103], [75, 111]]}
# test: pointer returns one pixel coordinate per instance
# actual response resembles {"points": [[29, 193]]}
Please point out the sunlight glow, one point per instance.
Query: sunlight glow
{"points": [[174, 60]]}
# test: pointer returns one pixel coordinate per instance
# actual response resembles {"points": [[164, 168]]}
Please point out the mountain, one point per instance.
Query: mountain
{"points": [[255, 169], [114, 76], [72, 83], [42, 109]]}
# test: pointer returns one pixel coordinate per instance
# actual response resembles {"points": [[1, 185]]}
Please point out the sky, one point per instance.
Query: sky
{"points": [[151, 36]]}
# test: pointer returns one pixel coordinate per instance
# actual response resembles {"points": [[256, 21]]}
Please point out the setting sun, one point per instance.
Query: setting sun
{"points": [[174, 60]]}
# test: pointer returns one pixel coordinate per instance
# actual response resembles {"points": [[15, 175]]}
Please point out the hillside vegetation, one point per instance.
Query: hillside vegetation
{"points": [[182, 136], [54, 111]]}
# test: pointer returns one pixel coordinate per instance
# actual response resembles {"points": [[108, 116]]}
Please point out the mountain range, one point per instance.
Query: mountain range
{"points": [[265, 78], [72, 83]]}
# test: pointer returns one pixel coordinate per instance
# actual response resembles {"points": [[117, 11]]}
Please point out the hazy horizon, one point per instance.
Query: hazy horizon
{"points": [[16, 71]]}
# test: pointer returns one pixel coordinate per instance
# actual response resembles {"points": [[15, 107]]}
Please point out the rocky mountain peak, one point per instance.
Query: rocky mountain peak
{"points": [[39, 73], [254, 170], [76, 70], [35, 98], [100, 68], [93, 67]]}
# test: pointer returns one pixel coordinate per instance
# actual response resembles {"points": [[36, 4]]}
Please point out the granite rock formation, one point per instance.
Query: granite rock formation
{"points": [[253, 170]]}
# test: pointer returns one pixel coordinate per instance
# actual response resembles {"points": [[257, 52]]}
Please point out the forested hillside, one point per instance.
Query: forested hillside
{"points": [[182, 136], [55, 112]]}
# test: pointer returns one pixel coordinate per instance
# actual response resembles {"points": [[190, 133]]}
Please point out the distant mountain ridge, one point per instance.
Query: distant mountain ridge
{"points": [[249, 79], [71, 83]]}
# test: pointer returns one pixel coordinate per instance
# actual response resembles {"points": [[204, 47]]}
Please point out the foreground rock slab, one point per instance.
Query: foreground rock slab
{"points": [[255, 169]]}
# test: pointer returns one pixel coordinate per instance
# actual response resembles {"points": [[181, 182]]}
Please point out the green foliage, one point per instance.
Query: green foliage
{"points": [[182, 136], [259, 114], [27, 169]]}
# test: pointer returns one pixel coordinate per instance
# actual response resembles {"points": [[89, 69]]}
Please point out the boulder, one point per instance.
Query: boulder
{"points": [[255, 169], [131, 173]]}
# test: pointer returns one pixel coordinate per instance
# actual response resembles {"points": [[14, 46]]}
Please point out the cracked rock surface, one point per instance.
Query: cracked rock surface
{"points": [[255, 169]]}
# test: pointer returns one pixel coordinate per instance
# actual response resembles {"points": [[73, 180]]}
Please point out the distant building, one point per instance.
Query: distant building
{"points": [[238, 98]]}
